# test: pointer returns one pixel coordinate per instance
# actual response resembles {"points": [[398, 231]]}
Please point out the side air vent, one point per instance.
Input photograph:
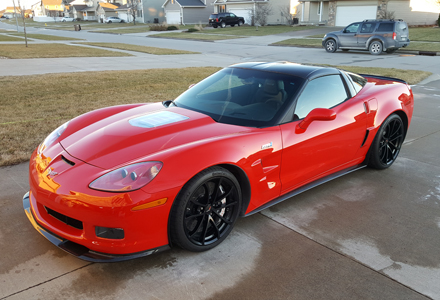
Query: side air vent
{"points": [[67, 161], [365, 138]]}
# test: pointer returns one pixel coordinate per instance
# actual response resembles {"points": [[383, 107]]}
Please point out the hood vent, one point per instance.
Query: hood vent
{"points": [[157, 119]]}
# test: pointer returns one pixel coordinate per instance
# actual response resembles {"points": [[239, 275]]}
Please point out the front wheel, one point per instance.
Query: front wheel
{"points": [[109, 21], [240, 23], [222, 24], [375, 48], [330, 46], [387, 143], [205, 210]]}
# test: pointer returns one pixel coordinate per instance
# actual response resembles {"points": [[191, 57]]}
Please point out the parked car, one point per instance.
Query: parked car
{"points": [[68, 19], [130, 180], [4, 17], [373, 35], [113, 20], [223, 19]]}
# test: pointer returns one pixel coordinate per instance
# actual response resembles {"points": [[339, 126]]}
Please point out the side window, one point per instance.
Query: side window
{"points": [[232, 15], [367, 27], [383, 27], [322, 92], [353, 28]]}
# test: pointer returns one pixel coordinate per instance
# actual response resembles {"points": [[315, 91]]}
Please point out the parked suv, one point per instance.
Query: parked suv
{"points": [[373, 35], [223, 19]]}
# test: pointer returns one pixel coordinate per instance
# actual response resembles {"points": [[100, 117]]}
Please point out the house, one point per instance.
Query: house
{"points": [[344, 12], [187, 11], [106, 10], [153, 11], [10, 12], [52, 8]]}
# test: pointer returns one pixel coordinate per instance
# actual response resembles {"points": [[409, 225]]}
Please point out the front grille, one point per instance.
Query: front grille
{"points": [[65, 219]]}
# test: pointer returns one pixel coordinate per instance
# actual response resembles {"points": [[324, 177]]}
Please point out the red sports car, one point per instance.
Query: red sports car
{"points": [[131, 180]]}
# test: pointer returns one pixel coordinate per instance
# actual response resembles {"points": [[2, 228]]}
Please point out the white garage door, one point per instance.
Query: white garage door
{"points": [[346, 15], [240, 12], [173, 16]]}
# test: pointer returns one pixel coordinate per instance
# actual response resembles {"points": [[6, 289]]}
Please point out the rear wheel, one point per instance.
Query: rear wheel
{"points": [[375, 48], [206, 209], [330, 46], [387, 143]]}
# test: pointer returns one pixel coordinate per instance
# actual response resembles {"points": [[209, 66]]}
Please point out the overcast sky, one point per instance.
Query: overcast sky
{"points": [[25, 3]]}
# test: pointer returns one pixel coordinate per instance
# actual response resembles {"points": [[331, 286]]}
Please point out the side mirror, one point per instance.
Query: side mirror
{"points": [[318, 114]]}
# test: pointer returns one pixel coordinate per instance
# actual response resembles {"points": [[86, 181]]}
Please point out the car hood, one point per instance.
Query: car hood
{"points": [[138, 132]]}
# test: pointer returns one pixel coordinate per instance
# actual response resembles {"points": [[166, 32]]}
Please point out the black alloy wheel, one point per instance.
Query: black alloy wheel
{"points": [[387, 143], [206, 209]]}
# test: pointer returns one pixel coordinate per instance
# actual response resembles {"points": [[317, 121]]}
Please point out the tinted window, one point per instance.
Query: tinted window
{"points": [[232, 15], [322, 92], [385, 27], [242, 96], [367, 27], [353, 28]]}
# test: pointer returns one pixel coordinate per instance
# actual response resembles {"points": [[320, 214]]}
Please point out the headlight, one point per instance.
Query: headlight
{"points": [[52, 137], [128, 178]]}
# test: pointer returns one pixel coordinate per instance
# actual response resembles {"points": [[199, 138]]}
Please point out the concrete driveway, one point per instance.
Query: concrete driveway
{"points": [[368, 235]]}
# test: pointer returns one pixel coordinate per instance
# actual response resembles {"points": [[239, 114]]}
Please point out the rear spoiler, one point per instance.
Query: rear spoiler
{"points": [[384, 78]]}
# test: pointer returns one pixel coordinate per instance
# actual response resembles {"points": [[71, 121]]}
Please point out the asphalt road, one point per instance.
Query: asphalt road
{"points": [[368, 235]]}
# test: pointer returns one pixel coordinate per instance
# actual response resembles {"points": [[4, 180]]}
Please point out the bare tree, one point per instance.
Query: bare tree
{"points": [[133, 7], [286, 15], [438, 20], [261, 13], [383, 13]]}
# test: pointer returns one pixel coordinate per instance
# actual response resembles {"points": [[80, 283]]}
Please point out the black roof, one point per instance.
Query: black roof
{"points": [[191, 3], [284, 67]]}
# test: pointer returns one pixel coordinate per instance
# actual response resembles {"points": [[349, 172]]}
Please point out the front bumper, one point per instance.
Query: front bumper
{"points": [[78, 250]]}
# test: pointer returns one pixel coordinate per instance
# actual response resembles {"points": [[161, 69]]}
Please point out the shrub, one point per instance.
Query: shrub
{"points": [[158, 27], [172, 27], [192, 29], [438, 21]]}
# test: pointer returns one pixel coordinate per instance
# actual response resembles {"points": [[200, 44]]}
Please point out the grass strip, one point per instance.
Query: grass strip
{"points": [[143, 49], [194, 36], [260, 31], [45, 37], [17, 51], [7, 38]]}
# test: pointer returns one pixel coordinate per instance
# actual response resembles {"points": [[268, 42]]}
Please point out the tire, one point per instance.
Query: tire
{"points": [[240, 23], [63, 21], [215, 26], [109, 22], [222, 24], [205, 210], [122, 21], [387, 143], [330, 46], [391, 51], [375, 48]]}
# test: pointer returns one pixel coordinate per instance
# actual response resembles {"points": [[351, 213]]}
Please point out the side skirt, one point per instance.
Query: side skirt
{"points": [[306, 188]]}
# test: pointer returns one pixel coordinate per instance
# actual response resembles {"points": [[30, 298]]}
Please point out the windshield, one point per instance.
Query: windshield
{"points": [[242, 96]]}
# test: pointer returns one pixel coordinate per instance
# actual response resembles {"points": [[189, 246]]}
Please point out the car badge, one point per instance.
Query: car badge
{"points": [[52, 173], [265, 146]]}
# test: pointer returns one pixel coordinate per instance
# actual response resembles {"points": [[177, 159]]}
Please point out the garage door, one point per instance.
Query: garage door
{"points": [[173, 16], [346, 15], [240, 12]]}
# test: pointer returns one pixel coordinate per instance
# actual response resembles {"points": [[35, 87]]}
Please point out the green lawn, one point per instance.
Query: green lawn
{"points": [[46, 37], [144, 49], [429, 34], [262, 30]]}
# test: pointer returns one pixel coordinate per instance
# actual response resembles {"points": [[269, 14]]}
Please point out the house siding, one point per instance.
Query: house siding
{"points": [[402, 10]]}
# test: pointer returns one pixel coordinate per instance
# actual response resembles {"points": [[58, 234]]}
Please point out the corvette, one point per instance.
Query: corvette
{"points": [[127, 181]]}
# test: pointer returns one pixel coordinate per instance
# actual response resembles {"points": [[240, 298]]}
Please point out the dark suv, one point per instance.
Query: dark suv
{"points": [[223, 19], [373, 35]]}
